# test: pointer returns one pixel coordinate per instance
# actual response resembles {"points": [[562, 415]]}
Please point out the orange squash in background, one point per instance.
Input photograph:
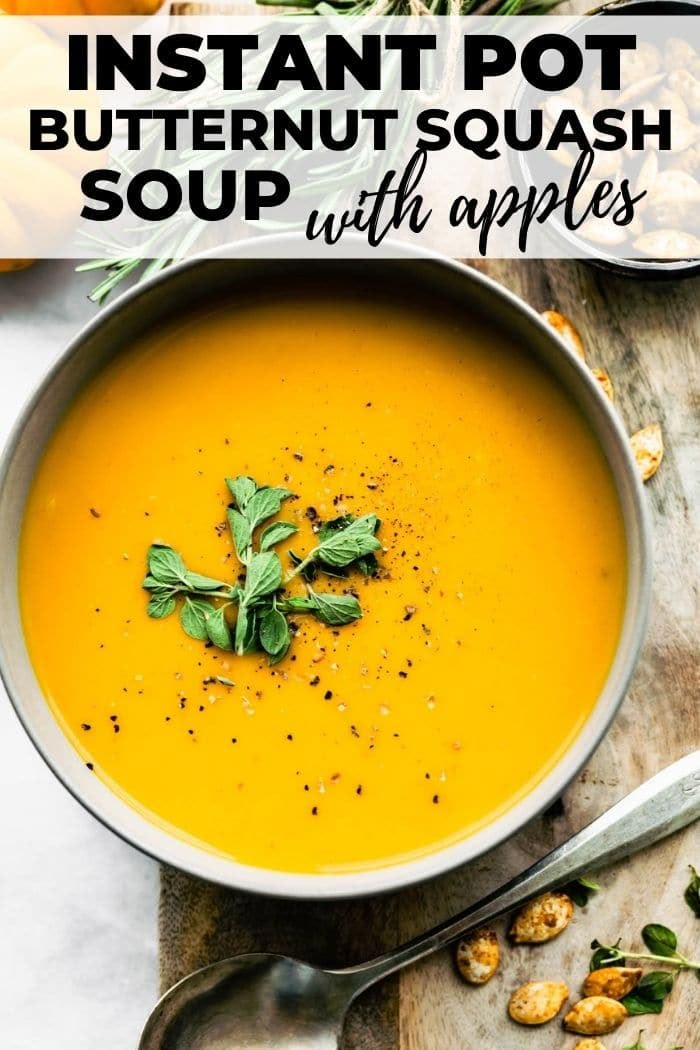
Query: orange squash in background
{"points": [[39, 191], [7, 265], [81, 7]]}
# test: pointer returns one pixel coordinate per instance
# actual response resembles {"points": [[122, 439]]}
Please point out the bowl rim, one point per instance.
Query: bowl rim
{"points": [[173, 848]]}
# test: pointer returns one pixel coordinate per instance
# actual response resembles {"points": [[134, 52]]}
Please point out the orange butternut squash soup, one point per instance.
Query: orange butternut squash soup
{"points": [[486, 632]]}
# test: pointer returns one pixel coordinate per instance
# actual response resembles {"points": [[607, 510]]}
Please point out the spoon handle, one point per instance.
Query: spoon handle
{"points": [[661, 805]]}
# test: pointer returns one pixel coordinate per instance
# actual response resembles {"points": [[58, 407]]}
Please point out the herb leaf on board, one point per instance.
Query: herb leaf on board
{"points": [[606, 955], [692, 891], [648, 997], [662, 945], [580, 890], [660, 940]]}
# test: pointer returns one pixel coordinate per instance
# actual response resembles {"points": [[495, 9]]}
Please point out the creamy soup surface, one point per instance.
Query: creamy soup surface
{"points": [[485, 639]]}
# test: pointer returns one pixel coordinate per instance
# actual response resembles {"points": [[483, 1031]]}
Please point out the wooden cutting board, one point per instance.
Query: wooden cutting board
{"points": [[647, 335]]}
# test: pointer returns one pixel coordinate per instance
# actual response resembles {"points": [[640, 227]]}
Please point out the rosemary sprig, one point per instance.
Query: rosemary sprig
{"points": [[168, 243], [261, 622]]}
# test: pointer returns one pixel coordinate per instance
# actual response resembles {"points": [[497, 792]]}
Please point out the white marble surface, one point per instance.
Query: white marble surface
{"points": [[78, 907]]}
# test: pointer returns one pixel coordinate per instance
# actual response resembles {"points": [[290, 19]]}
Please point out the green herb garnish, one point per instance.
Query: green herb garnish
{"points": [[692, 892], [606, 955], [637, 1045], [258, 595], [648, 997], [662, 945], [342, 542], [580, 890]]}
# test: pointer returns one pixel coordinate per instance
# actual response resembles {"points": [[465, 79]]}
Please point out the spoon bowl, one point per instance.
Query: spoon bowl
{"points": [[254, 1001]]}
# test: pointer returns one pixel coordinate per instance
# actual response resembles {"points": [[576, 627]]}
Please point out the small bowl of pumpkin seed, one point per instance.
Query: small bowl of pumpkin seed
{"points": [[663, 238]]}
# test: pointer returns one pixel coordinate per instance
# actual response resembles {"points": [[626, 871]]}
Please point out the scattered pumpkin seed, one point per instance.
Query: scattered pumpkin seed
{"points": [[613, 982], [566, 330], [537, 1002], [542, 919], [595, 1015], [648, 449], [477, 955], [605, 382]]}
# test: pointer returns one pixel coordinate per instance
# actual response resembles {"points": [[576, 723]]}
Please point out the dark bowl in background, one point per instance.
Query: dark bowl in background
{"points": [[652, 269]]}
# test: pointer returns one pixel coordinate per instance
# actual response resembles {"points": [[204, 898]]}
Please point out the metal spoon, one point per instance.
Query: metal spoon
{"points": [[271, 1002]]}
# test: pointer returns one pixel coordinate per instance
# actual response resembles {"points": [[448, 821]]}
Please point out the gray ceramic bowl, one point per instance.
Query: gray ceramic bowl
{"points": [[424, 277]]}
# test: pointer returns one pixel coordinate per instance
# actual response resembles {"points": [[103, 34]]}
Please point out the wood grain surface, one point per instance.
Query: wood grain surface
{"points": [[647, 336]]}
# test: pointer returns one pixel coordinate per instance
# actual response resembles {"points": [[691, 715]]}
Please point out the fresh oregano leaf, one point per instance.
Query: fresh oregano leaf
{"points": [[242, 489], [367, 565], [274, 633], [291, 605], [161, 605], [606, 955], [197, 582], [656, 984], [246, 631], [692, 892], [660, 940], [648, 996], [241, 532], [218, 629], [637, 1007], [265, 504], [354, 541], [346, 543], [276, 533], [580, 890], [165, 565], [308, 570], [193, 617], [336, 610], [328, 528], [332, 609], [578, 893], [150, 583], [264, 576], [589, 884]]}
